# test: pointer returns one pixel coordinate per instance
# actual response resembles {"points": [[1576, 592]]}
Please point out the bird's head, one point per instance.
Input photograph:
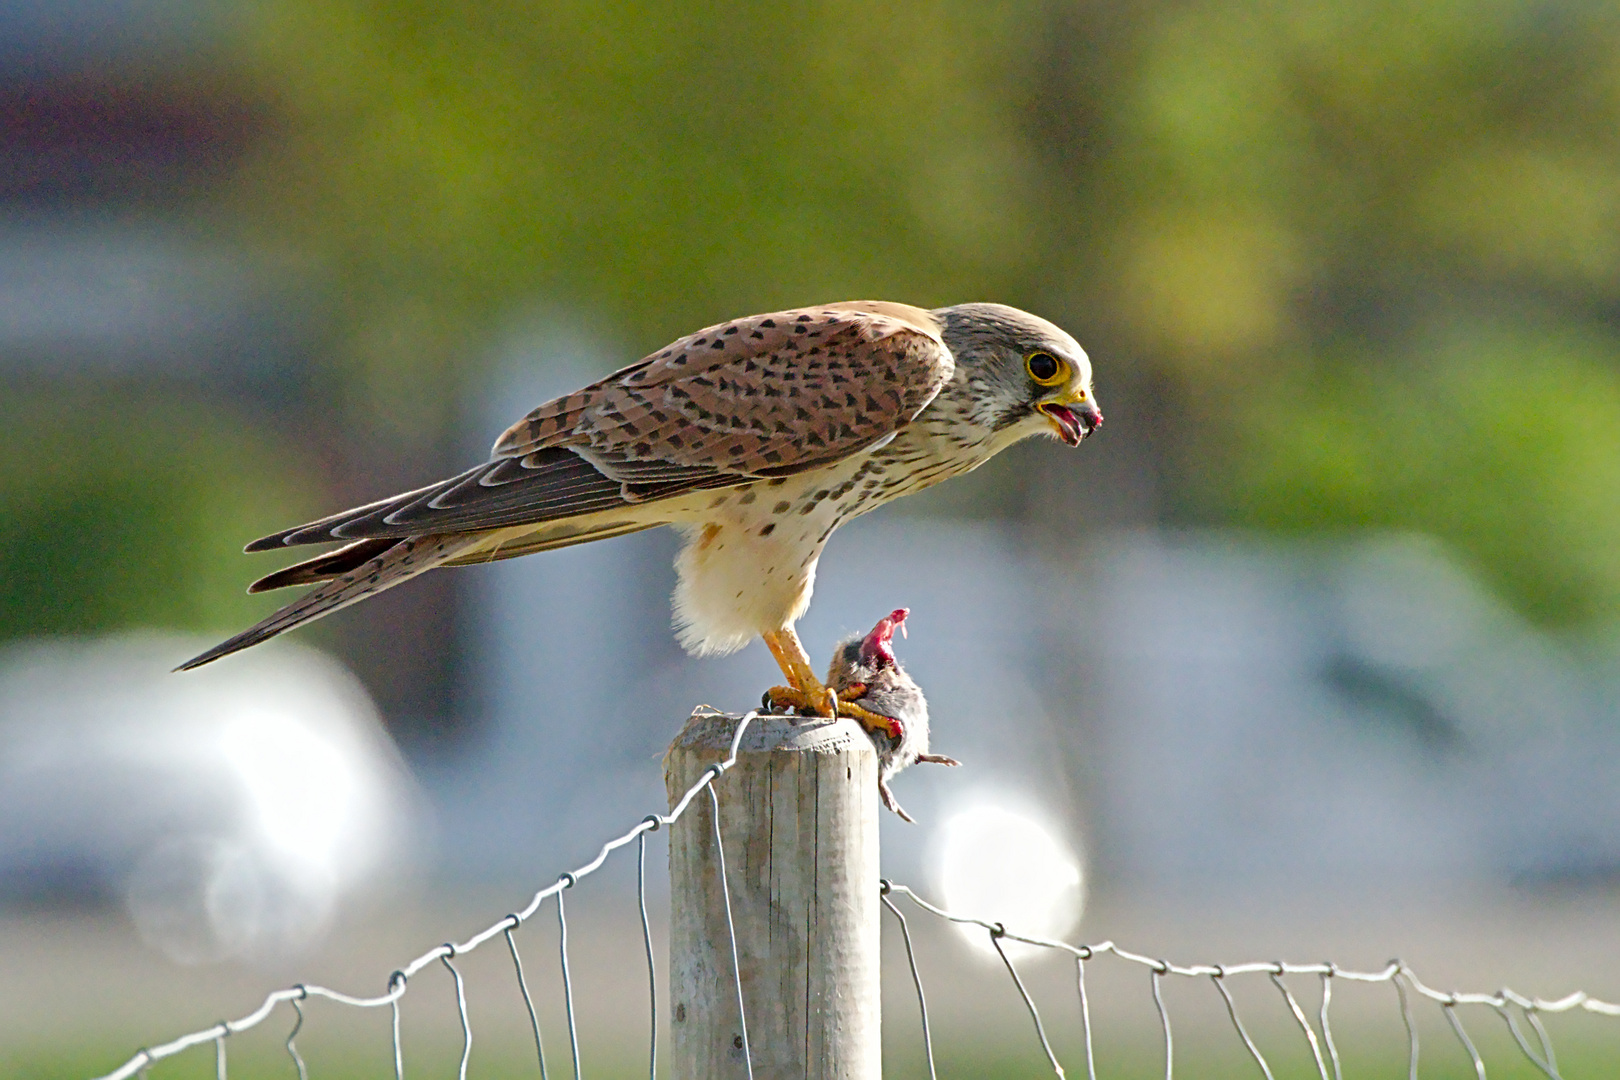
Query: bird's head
{"points": [[1024, 376]]}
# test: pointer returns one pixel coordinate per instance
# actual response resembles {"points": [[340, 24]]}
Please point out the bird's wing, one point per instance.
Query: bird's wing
{"points": [[331, 564], [764, 395], [545, 485], [767, 395]]}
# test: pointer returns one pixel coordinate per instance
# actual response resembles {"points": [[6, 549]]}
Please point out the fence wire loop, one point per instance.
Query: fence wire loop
{"points": [[1218, 977], [567, 981], [1450, 1008], [996, 934], [398, 981], [1299, 1018], [1164, 1019], [652, 966], [1550, 1071], [528, 999], [461, 1008], [1332, 969], [399, 1049], [298, 1025], [1542, 1037], [1406, 1019], [220, 1069], [731, 927], [1085, 1012], [884, 888]]}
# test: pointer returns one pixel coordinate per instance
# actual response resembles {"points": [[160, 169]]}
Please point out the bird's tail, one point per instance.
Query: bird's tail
{"points": [[401, 561]]}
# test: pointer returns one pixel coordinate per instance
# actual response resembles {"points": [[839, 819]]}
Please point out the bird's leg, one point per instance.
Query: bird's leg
{"points": [[937, 759], [870, 720], [847, 706], [804, 691], [807, 694]]}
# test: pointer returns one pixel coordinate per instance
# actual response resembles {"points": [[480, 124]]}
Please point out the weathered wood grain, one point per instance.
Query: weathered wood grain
{"points": [[798, 813]]}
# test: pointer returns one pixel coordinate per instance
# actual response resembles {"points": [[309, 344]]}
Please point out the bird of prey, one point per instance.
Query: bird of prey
{"points": [[870, 685], [756, 438]]}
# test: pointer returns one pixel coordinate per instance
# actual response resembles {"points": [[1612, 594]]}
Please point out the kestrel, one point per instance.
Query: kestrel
{"points": [[866, 674], [756, 438]]}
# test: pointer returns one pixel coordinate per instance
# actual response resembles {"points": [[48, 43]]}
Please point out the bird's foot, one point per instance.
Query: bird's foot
{"points": [[852, 692], [937, 759], [822, 701], [819, 701], [872, 721], [893, 804]]}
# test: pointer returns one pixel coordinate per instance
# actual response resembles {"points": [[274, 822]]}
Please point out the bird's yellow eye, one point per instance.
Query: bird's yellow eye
{"points": [[1045, 369]]}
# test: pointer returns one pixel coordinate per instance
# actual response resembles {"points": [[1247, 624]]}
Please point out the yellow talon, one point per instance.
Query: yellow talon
{"points": [[817, 702], [870, 720]]}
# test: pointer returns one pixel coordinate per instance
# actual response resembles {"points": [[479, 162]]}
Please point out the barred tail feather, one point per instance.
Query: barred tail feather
{"points": [[324, 567], [400, 562]]}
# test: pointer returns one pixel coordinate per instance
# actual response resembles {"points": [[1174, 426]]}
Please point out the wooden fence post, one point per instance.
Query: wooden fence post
{"points": [[798, 813]]}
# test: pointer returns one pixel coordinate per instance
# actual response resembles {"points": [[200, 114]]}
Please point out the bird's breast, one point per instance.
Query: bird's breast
{"points": [[749, 562]]}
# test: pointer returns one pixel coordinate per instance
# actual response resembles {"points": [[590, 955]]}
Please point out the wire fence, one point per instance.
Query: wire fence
{"points": [[1506, 1004]]}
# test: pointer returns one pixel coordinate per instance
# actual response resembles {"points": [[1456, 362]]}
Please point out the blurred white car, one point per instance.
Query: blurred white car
{"points": [[231, 809]]}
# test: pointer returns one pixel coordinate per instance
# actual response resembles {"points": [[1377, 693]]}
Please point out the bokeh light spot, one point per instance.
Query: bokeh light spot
{"points": [[1001, 866]]}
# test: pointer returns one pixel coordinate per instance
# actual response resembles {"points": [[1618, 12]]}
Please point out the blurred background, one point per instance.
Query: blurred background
{"points": [[1315, 646]]}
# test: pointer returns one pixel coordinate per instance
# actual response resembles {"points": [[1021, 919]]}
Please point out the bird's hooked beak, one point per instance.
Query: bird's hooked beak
{"points": [[1074, 414], [878, 646]]}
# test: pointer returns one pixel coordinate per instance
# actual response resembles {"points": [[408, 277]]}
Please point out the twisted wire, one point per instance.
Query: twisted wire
{"points": [[1164, 1018], [1219, 979], [1450, 1009], [916, 978], [292, 1049], [1518, 1037], [1542, 1036], [393, 1002], [996, 935], [1085, 1015], [461, 1008], [1402, 978], [731, 932], [1411, 1025], [568, 986], [1395, 973], [397, 983], [528, 1001], [1327, 1029], [1304, 1025], [652, 967]]}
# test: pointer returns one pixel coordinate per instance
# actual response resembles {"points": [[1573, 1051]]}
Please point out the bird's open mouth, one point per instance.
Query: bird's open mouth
{"points": [[1073, 424]]}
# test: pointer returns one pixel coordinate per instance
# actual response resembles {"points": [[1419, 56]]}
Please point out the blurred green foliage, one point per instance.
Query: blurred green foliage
{"points": [[1287, 172], [1376, 249], [120, 511], [659, 166], [1503, 441], [1366, 255]]}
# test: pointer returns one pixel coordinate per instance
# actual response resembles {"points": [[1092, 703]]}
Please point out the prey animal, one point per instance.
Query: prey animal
{"points": [[755, 438], [865, 674]]}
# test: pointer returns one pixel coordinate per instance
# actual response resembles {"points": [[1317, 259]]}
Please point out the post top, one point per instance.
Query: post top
{"points": [[707, 729]]}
